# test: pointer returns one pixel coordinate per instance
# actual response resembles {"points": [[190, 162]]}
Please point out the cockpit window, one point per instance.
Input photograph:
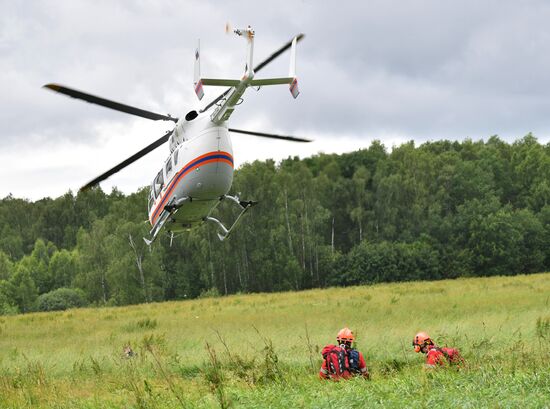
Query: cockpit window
{"points": [[168, 166], [176, 152], [158, 183]]}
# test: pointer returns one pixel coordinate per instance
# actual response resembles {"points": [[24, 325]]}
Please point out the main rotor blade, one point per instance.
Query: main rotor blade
{"points": [[117, 106], [270, 135], [257, 68], [127, 162], [277, 53]]}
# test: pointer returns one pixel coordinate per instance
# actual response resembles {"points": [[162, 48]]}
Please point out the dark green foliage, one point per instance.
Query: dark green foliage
{"points": [[440, 210], [7, 301], [22, 290], [6, 266], [61, 299], [386, 261]]}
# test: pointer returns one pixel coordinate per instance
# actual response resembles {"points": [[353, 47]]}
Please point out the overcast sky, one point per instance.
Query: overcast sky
{"points": [[389, 70]]}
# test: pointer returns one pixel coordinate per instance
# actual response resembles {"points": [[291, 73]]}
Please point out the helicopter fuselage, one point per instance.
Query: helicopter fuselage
{"points": [[196, 175]]}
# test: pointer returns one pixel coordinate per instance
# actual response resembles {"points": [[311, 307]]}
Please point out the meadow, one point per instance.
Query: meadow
{"points": [[262, 350]]}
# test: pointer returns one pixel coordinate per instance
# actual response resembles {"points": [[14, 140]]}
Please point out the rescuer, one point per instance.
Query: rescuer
{"points": [[342, 361], [435, 356]]}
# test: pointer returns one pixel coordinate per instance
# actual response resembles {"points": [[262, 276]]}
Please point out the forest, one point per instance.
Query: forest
{"points": [[439, 210]]}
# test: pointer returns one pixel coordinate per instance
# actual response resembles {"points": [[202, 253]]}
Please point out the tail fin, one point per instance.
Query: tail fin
{"points": [[292, 80], [197, 76], [292, 68], [293, 87]]}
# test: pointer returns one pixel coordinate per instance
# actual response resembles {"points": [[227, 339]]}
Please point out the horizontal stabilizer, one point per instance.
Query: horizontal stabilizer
{"points": [[254, 82], [220, 82], [272, 81]]}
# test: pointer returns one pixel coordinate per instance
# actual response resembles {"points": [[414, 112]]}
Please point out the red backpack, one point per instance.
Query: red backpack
{"points": [[452, 354], [336, 361]]}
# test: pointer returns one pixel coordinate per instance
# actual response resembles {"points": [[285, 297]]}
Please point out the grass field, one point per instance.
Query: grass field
{"points": [[262, 350]]}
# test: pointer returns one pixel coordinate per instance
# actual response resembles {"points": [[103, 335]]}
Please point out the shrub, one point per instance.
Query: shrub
{"points": [[8, 309], [388, 261], [61, 299]]}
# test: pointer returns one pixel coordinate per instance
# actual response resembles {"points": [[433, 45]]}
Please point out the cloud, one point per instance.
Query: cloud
{"points": [[390, 70]]}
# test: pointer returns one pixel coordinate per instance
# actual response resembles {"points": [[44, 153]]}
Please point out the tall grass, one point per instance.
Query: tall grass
{"points": [[263, 350]]}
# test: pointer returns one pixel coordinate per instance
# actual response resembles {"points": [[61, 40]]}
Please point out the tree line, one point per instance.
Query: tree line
{"points": [[439, 210]]}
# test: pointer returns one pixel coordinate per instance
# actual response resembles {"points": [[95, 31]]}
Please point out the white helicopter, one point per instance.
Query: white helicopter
{"points": [[198, 174]]}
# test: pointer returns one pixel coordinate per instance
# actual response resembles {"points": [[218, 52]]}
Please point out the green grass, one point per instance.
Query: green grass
{"points": [[262, 350]]}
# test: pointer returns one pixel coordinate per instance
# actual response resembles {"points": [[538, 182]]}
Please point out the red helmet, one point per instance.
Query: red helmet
{"points": [[420, 340], [345, 335]]}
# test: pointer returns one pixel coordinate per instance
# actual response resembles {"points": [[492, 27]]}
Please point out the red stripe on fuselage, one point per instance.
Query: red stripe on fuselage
{"points": [[177, 176]]}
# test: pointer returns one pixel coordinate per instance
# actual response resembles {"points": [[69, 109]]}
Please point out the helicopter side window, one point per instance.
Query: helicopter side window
{"points": [[168, 166], [159, 183], [176, 152]]}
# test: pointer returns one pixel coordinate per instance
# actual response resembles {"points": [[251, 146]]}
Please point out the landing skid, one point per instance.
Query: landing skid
{"points": [[224, 232], [173, 206], [170, 208]]}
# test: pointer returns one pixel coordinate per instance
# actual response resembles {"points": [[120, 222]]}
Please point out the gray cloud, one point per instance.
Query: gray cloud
{"points": [[373, 69]]}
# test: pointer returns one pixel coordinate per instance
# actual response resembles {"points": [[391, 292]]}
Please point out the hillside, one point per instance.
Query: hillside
{"points": [[261, 350]]}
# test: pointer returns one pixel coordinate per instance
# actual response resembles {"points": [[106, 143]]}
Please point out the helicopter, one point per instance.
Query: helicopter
{"points": [[198, 173]]}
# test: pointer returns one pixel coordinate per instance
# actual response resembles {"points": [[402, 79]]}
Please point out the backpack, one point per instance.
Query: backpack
{"points": [[335, 358], [353, 360], [452, 354]]}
